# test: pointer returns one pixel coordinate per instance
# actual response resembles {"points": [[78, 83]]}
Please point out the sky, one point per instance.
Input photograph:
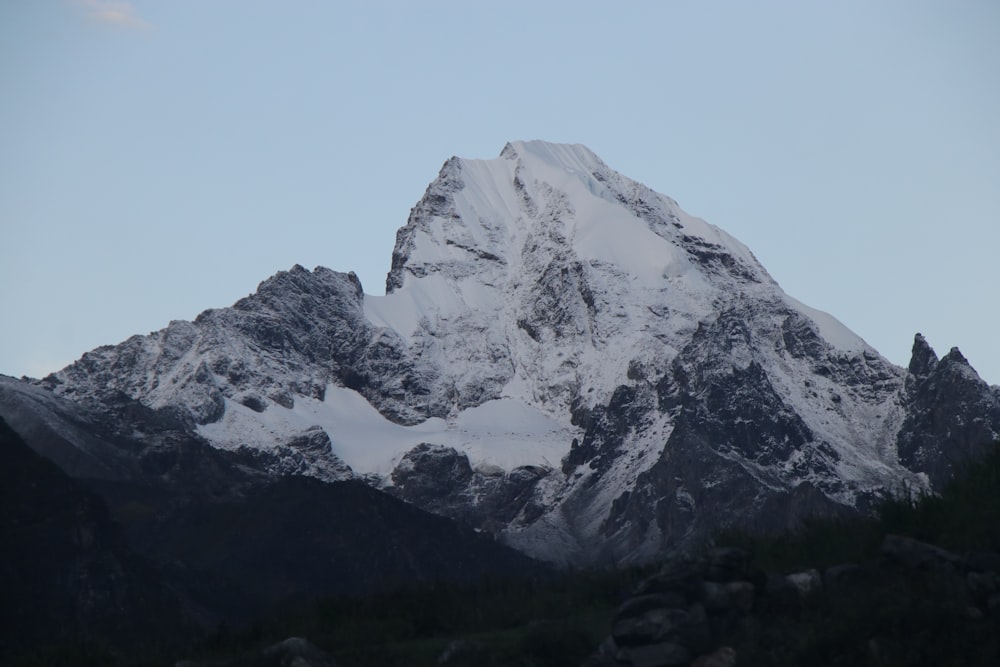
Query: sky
{"points": [[161, 157]]}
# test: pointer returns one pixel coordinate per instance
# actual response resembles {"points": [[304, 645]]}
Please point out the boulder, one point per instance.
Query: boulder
{"points": [[839, 575], [918, 555], [982, 585], [639, 605], [664, 654], [724, 656], [680, 575], [741, 596], [983, 561], [715, 596], [653, 626], [727, 564], [781, 592], [806, 583]]}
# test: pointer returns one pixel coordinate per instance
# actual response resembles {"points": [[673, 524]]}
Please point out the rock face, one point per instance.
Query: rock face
{"points": [[564, 358], [441, 480], [952, 415]]}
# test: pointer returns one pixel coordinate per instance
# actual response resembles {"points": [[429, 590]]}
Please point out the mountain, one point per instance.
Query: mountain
{"points": [[564, 358]]}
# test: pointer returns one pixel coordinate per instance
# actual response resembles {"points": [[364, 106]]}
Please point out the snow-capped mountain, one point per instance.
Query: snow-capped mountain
{"points": [[563, 357]]}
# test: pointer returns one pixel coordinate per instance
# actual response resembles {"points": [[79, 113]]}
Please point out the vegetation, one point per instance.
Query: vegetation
{"points": [[964, 517], [885, 616], [557, 621]]}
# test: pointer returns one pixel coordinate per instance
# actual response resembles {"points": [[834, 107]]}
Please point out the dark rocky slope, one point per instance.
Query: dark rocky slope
{"points": [[230, 539], [66, 570]]}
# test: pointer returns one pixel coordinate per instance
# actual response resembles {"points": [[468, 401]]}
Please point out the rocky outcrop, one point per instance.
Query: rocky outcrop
{"points": [[441, 480], [952, 416], [682, 614], [740, 451], [704, 611], [300, 331], [309, 453]]}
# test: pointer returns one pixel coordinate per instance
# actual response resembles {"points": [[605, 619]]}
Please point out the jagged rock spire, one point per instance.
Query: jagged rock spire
{"points": [[923, 358]]}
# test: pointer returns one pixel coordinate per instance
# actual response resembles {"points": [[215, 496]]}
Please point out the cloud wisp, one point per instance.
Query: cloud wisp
{"points": [[113, 12]]}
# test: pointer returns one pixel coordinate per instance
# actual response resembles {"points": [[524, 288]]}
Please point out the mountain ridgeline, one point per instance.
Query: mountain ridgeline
{"points": [[563, 358]]}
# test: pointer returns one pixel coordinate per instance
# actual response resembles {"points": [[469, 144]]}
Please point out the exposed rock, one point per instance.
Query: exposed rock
{"points": [[640, 604], [715, 596], [308, 453], [72, 435], [983, 561], [918, 555], [921, 582], [680, 612], [983, 585], [838, 575], [441, 480], [300, 331], [430, 473], [923, 359], [683, 625], [806, 583], [741, 596], [728, 565], [679, 576], [952, 416], [721, 657], [781, 592]]}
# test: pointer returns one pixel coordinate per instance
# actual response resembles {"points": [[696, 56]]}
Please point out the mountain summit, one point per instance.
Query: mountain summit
{"points": [[565, 358]]}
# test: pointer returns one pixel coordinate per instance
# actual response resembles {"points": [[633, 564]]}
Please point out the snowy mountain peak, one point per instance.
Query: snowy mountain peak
{"points": [[575, 158], [604, 374], [490, 209]]}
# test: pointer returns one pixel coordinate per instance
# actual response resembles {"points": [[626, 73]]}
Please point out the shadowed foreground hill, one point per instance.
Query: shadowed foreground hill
{"points": [[197, 538], [66, 571], [297, 538]]}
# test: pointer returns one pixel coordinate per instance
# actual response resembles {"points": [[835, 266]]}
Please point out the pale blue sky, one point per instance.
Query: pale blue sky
{"points": [[161, 157]]}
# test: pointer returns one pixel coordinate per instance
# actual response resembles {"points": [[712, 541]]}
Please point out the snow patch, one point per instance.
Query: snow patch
{"points": [[505, 432]]}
